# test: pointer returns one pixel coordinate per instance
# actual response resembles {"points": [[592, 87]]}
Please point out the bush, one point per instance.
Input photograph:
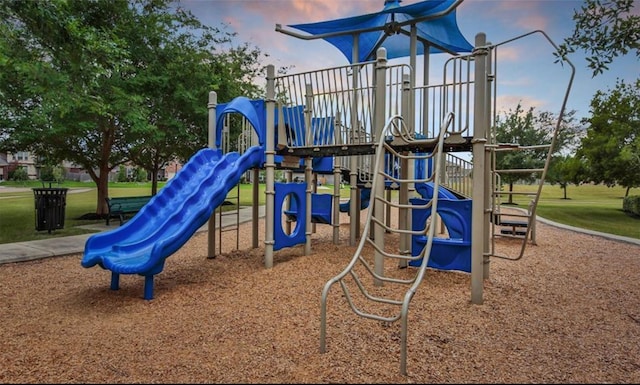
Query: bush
{"points": [[140, 175], [631, 205], [51, 173], [122, 174], [19, 175]]}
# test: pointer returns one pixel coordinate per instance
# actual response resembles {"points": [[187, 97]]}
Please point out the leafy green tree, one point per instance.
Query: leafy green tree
{"points": [[178, 77], [122, 173], [565, 170], [68, 77], [51, 173], [94, 82], [527, 129], [604, 29], [611, 146], [139, 174]]}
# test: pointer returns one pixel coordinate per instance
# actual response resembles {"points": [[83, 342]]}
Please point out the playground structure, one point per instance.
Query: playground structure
{"points": [[395, 144]]}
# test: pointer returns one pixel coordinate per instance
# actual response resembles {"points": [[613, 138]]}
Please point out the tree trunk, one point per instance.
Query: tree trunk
{"points": [[103, 190], [154, 180], [510, 195]]}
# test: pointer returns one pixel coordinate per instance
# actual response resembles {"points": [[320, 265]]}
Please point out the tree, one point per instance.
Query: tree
{"points": [[80, 80], [611, 147], [565, 170], [51, 173], [177, 80], [604, 29], [530, 129]]}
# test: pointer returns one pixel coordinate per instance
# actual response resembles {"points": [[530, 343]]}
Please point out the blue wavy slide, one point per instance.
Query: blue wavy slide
{"points": [[171, 217]]}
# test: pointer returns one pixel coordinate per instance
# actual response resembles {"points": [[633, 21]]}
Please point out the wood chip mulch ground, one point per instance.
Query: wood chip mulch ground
{"points": [[567, 312]]}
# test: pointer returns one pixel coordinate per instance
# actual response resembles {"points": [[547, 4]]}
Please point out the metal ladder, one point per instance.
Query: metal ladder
{"points": [[514, 219], [244, 141], [386, 296]]}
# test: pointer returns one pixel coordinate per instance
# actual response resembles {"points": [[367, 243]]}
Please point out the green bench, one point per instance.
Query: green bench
{"points": [[121, 206]]}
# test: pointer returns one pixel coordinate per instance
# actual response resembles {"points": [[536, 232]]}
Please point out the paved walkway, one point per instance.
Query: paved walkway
{"points": [[26, 251]]}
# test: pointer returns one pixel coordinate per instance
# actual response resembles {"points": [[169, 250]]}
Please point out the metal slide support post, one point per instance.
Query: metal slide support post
{"points": [[211, 233], [269, 240], [213, 102], [479, 140], [378, 125], [255, 206]]}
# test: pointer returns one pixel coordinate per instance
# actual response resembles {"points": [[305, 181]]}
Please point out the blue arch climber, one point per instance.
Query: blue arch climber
{"points": [[454, 252]]}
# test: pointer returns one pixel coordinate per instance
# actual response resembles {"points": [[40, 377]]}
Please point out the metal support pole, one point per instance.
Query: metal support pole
{"points": [[478, 199], [378, 125], [211, 226], [354, 221], [336, 202], [269, 240], [404, 214], [487, 203], [255, 206]]}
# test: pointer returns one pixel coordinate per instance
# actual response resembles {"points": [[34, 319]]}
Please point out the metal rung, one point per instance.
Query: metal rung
{"points": [[514, 193], [517, 170], [514, 215], [503, 147]]}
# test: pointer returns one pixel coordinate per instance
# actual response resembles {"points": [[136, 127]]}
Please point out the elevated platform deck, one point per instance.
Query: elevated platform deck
{"points": [[370, 148]]}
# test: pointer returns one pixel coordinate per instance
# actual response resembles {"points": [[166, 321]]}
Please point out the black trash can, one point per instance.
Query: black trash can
{"points": [[50, 208]]}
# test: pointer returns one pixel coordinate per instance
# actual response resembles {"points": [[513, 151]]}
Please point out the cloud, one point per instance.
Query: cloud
{"points": [[508, 53], [518, 82], [308, 11], [506, 103]]}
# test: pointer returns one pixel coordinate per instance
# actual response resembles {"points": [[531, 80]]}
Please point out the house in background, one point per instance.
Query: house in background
{"points": [[74, 172], [9, 162], [4, 167]]}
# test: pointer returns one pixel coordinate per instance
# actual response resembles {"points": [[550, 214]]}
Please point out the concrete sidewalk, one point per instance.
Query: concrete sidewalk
{"points": [[27, 251]]}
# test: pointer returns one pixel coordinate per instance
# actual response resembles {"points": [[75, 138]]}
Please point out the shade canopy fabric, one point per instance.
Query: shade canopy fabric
{"points": [[435, 22]]}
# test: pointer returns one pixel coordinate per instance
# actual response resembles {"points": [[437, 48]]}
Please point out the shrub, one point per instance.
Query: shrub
{"points": [[51, 173], [140, 174], [631, 205], [122, 174], [19, 175]]}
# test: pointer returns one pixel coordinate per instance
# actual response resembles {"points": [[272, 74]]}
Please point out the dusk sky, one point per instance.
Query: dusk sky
{"points": [[527, 72]]}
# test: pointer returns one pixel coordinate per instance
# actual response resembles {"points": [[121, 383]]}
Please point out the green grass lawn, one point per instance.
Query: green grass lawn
{"points": [[18, 211], [593, 207], [597, 207]]}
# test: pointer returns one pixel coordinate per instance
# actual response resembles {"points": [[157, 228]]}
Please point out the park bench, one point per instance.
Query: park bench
{"points": [[121, 206], [511, 227], [516, 228]]}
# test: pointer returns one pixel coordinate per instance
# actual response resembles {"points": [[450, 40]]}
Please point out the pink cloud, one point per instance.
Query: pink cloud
{"points": [[506, 102], [509, 53], [308, 11]]}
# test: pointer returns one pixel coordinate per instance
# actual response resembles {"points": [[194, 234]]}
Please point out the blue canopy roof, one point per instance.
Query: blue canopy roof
{"points": [[435, 22]]}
